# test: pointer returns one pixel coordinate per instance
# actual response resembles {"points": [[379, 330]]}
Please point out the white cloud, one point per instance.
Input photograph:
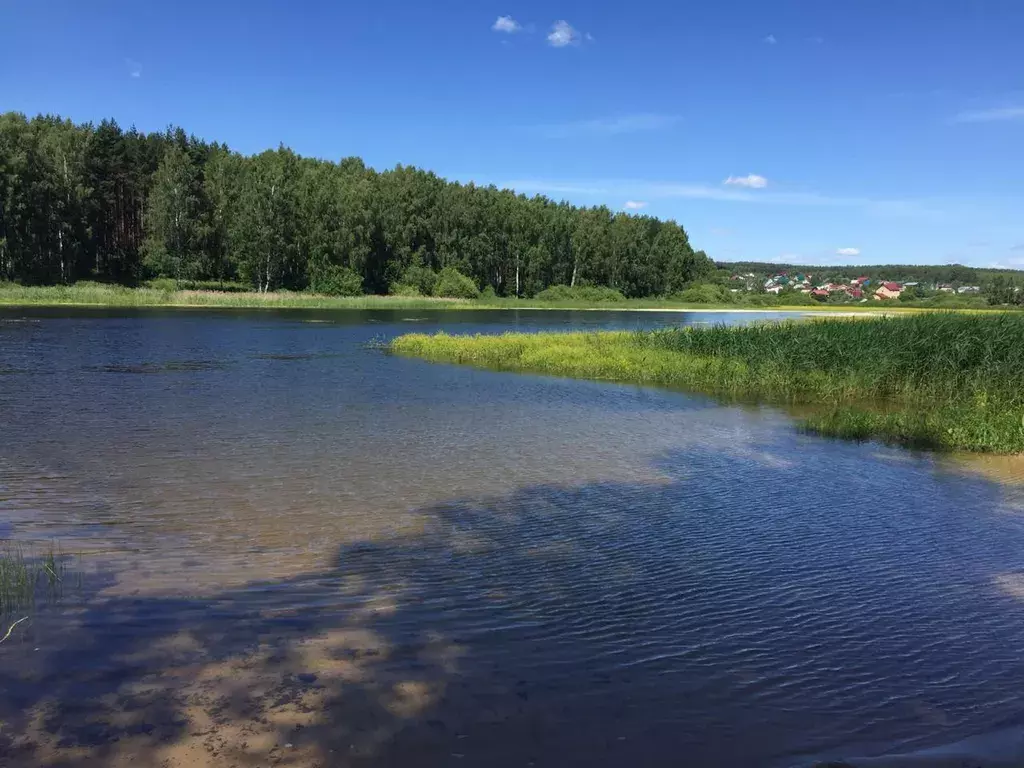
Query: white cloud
{"points": [[771, 40], [607, 126], [848, 252], [562, 34], [507, 24], [751, 181], [991, 115], [816, 39], [134, 68], [634, 205]]}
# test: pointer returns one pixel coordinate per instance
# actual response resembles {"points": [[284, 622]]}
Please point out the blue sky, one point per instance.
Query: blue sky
{"points": [[819, 131]]}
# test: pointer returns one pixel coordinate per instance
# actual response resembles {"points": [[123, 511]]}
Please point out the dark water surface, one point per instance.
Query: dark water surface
{"points": [[299, 550]]}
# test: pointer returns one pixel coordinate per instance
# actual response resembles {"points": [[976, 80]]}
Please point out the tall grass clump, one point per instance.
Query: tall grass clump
{"points": [[27, 575], [942, 381]]}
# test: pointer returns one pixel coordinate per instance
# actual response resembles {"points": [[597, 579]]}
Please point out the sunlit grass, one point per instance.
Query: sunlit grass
{"points": [[942, 381]]}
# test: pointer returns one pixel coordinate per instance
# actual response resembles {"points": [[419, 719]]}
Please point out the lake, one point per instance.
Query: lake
{"points": [[287, 547]]}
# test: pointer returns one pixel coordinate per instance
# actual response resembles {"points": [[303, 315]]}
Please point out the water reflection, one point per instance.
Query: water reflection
{"points": [[353, 559]]}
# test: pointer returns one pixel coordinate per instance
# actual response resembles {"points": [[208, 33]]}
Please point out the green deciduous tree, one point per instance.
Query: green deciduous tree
{"points": [[177, 220], [99, 202]]}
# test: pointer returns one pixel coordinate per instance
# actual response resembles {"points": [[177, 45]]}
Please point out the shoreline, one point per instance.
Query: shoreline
{"points": [[115, 297], [906, 392]]}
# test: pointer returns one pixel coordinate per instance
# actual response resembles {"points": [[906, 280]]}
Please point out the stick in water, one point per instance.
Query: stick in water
{"points": [[11, 628]]}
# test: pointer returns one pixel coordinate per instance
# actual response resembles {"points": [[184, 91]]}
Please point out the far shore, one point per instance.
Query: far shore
{"points": [[111, 296]]}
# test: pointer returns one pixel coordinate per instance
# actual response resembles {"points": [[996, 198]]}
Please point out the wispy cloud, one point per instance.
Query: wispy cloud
{"points": [[770, 40], [816, 39], [751, 181], [506, 24], [848, 252], [650, 190], [607, 126], [563, 33], [134, 68], [990, 115], [634, 205], [546, 187], [1014, 261]]}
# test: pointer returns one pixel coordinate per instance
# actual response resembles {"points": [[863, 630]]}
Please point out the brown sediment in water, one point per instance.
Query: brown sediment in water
{"points": [[266, 707], [1007, 469]]}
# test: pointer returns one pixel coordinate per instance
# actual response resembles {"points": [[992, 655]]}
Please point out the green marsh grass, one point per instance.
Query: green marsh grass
{"points": [[28, 575], [941, 381]]}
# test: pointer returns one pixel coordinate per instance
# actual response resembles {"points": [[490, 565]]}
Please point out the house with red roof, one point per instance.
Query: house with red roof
{"points": [[888, 291]]}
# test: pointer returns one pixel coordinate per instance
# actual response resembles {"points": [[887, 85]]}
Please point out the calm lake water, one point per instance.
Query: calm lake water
{"points": [[291, 548]]}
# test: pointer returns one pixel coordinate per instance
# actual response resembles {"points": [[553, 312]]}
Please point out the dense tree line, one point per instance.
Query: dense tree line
{"points": [[98, 202]]}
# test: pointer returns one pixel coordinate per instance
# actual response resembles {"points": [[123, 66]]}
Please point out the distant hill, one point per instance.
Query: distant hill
{"points": [[946, 273]]}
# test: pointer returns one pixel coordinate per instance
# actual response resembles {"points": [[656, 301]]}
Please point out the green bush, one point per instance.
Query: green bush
{"points": [[758, 299], [795, 299], [227, 286], [582, 293], [335, 280], [488, 293], [423, 278], [163, 284], [704, 293], [403, 289], [452, 284], [170, 284]]}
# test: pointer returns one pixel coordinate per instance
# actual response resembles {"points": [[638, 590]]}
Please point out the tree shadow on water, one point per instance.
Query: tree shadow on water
{"points": [[680, 622]]}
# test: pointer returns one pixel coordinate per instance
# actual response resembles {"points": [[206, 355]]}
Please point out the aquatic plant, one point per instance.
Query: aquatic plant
{"points": [[27, 575], [937, 380]]}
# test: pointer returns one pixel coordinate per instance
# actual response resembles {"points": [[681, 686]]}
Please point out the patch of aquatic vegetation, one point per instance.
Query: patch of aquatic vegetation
{"points": [[293, 356], [169, 366], [30, 575], [938, 381]]}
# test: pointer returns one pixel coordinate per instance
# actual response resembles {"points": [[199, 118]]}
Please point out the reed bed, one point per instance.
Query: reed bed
{"points": [[940, 381]]}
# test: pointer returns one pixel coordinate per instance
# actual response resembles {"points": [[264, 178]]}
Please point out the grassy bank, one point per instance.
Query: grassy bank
{"points": [[939, 381], [104, 295]]}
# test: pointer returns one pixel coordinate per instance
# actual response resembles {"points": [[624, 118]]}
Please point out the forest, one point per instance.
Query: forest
{"points": [[96, 202]]}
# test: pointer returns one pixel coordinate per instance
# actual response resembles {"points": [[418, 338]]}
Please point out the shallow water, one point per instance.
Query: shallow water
{"points": [[300, 550]]}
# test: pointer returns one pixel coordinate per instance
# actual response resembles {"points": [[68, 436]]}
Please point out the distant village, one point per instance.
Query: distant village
{"points": [[857, 289]]}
